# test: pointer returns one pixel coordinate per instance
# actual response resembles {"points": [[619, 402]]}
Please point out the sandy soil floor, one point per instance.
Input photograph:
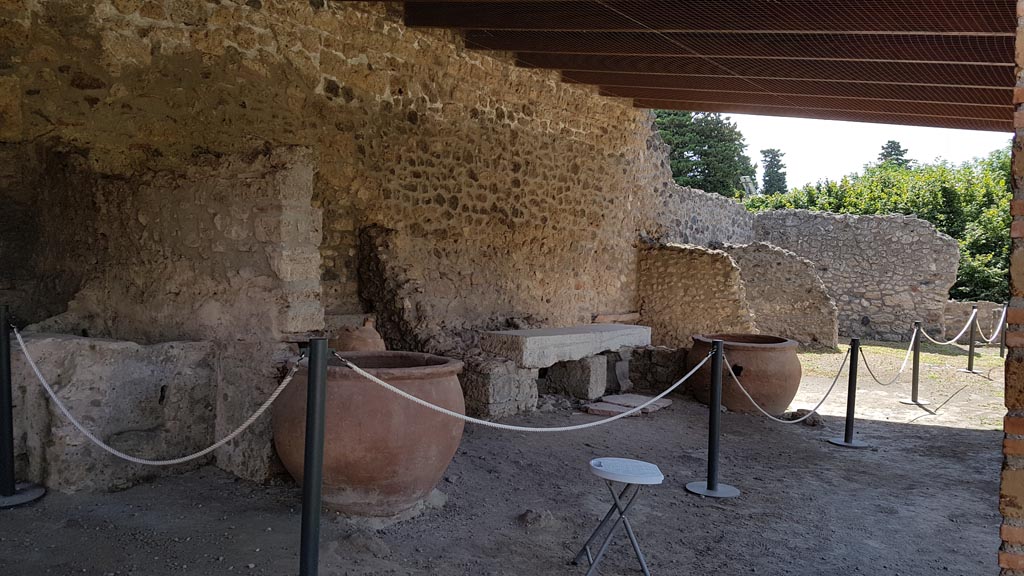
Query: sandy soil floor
{"points": [[922, 501]]}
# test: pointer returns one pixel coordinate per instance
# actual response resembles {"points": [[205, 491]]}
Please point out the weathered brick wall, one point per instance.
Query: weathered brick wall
{"points": [[1011, 497], [883, 272]]}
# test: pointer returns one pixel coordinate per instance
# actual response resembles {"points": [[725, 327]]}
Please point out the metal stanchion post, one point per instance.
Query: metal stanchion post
{"points": [[1002, 331], [11, 493], [970, 344], [915, 379], [848, 441], [711, 487], [313, 465]]}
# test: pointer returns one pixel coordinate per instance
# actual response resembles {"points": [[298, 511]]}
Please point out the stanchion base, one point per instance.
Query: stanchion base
{"points": [[842, 442], [913, 402], [24, 493], [723, 491], [965, 370]]}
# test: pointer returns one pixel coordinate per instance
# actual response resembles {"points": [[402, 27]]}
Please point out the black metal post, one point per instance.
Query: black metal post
{"points": [[11, 493], [7, 486], [1002, 330], [711, 487], [970, 344], [915, 377], [847, 441], [313, 465]]}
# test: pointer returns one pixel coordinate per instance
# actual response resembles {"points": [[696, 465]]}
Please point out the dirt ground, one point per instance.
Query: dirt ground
{"points": [[922, 500]]}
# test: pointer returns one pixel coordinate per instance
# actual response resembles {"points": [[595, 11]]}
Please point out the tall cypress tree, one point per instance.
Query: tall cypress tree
{"points": [[774, 177]]}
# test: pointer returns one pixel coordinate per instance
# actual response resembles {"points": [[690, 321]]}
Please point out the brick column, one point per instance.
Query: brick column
{"points": [[1011, 495]]}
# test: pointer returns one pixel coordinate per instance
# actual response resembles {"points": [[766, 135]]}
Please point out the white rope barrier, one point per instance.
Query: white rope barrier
{"points": [[805, 416], [115, 452], [511, 427], [974, 316], [903, 367], [999, 328]]}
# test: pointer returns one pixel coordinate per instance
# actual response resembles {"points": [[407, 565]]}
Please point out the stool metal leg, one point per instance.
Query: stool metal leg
{"points": [[611, 533], [585, 551], [629, 531]]}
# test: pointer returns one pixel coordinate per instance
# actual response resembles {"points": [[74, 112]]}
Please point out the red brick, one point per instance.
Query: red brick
{"points": [[1017, 207], [1015, 339], [1011, 494], [1018, 119], [1012, 534], [1013, 425], [1018, 95], [1011, 561], [1017, 229], [1013, 447], [1015, 316]]}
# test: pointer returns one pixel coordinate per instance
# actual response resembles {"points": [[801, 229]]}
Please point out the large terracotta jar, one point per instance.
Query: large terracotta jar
{"points": [[383, 454], [767, 366]]}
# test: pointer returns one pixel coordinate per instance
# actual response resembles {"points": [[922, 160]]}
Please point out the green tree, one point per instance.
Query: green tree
{"points": [[970, 202], [894, 153], [774, 177], [706, 151]]}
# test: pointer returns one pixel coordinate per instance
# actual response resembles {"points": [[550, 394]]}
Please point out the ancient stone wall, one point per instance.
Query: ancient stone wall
{"points": [[226, 250], [786, 296], [687, 290], [516, 194], [957, 313], [883, 272]]}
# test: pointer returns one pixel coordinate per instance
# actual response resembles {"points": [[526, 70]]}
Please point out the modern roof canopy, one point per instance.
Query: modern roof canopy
{"points": [[943, 63]]}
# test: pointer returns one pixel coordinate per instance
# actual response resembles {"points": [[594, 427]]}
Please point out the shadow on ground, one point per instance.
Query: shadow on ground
{"points": [[923, 501]]}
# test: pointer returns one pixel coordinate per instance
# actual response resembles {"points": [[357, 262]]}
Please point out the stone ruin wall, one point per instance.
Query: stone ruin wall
{"points": [[786, 296], [160, 140], [687, 290], [509, 197], [956, 314], [883, 272]]}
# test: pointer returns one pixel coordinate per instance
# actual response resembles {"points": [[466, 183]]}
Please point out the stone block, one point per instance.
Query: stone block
{"points": [[541, 348], [247, 373], [586, 379], [495, 388], [153, 402], [655, 368]]}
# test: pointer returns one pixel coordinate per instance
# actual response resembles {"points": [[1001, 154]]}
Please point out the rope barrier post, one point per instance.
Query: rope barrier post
{"points": [[313, 464], [848, 441], [916, 374], [1002, 334], [711, 487], [970, 345], [11, 493]]}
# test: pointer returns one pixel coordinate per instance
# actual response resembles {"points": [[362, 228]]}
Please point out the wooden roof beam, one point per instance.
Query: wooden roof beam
{"points": [[831, 114], [898, 48], [893, 72], [838, 16]]}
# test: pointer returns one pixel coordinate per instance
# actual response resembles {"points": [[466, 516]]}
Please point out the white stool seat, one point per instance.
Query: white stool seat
{"points": [[626, 471]]}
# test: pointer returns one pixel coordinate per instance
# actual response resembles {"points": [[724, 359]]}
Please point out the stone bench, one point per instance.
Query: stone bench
{"points": [[542, 348]]}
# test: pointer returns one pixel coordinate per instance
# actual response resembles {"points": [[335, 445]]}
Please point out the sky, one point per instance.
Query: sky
{"points": [[819, 149]]}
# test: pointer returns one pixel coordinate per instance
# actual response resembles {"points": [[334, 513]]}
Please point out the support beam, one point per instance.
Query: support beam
{"points": [[828, 114], [976, 111], [895, 72], [803, 46], [995, 96], [914, 16]]}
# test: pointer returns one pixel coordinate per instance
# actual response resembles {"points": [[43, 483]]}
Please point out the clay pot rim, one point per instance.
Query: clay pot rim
{"points": [[433, 366], [736, 341]]}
